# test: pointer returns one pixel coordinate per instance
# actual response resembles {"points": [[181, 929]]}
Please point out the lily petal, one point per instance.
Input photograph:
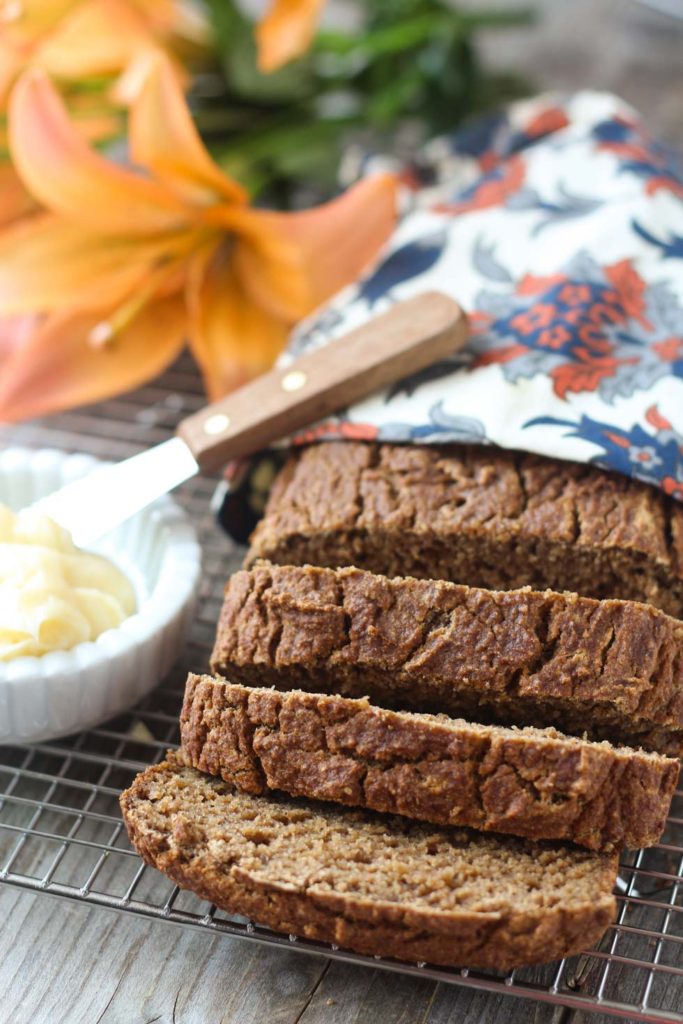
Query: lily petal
{"points": [[10, 66], [286, 31], [291, 262], [231, 337], [50, 264], [58, 367], [68, 177], [163, 138], [179, 20], [15, 201], [15, 331], [35, 17], [95, 38], [128, 85]]}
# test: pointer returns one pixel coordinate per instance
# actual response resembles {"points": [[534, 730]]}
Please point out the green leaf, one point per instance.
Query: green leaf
{"points": [[290, 151], [395, 99], [290, 83], [412, 60], [237, 50], [515, 17], [278, 139], [381, 42], [228, 22]]}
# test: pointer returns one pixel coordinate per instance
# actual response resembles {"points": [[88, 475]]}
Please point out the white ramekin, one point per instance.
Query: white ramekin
{"points": [[66, 691]]}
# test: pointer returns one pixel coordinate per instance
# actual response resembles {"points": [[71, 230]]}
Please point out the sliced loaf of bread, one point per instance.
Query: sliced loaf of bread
{"points": [[476, 515], [610, 669], [535, 783], [377, 885]]}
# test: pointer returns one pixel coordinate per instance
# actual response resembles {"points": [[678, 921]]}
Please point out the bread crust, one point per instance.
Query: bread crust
{"points": [[477, 515], [534, 783], [609, 669], [508, 937]]}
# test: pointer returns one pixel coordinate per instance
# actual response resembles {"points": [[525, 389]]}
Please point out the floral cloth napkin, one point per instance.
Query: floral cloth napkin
{"points": [[558, 226]]}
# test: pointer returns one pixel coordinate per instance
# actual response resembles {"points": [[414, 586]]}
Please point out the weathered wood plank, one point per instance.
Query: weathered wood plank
{"points": [[62, 962], [65, 964], [351, 995]]}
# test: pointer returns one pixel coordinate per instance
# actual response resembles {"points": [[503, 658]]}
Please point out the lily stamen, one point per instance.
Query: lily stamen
{"points": [[106, 331], [101, 334]]}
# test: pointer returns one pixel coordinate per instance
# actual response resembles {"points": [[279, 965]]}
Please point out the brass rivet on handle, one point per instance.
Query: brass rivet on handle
{"points": [[216, 424], [293, 381]]}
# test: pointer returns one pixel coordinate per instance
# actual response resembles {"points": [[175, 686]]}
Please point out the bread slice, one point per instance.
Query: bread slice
{"points": [[609, 669], [526, 782], [377, 885], [481, 516]]}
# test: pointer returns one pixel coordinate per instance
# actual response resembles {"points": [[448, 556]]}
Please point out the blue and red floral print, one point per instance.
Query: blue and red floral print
{"points": [[558, 226]]}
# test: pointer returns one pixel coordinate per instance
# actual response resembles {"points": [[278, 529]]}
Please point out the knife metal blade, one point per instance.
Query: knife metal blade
{"points": [[410, 336], [95, 504]]}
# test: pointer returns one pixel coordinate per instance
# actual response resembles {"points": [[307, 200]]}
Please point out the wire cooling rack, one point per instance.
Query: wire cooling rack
{"points": [[61, 833]]}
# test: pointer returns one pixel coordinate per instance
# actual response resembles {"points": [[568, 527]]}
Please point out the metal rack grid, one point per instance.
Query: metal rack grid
{"points": [[61, 833]]}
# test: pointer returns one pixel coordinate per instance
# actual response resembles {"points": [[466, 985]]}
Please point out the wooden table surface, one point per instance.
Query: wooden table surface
{"points": [[62, 963]]}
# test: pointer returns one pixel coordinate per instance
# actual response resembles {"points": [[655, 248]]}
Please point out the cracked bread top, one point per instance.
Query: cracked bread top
{"points": [[476, 515], [528, 782], [612, 669]]}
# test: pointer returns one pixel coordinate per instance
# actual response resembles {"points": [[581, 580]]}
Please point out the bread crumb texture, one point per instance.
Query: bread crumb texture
{"points": [[376, 884]]}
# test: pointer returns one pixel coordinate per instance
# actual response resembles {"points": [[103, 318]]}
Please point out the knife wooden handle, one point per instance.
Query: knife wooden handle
{"points": [[407, 338]]}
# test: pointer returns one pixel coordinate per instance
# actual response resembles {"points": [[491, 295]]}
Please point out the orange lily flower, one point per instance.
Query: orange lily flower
{"points": [[286, 31], [126, 266], [78, 39]]}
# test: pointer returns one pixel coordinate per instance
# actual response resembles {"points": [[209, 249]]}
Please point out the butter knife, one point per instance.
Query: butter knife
{"points": [[407, 338]]}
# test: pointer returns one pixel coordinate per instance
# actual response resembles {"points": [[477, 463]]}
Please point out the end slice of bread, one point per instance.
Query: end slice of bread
{"points": [[478, 515], [375, 884]]}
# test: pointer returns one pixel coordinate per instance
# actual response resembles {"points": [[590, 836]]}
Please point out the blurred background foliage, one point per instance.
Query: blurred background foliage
{"points": [[387, 74]]}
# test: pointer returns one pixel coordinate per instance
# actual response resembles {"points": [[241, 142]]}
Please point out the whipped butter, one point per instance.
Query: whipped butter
{"points": [[53, 595]]}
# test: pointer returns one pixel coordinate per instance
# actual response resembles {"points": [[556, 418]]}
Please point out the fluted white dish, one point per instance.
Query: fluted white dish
{"points": [[67, 691]]}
